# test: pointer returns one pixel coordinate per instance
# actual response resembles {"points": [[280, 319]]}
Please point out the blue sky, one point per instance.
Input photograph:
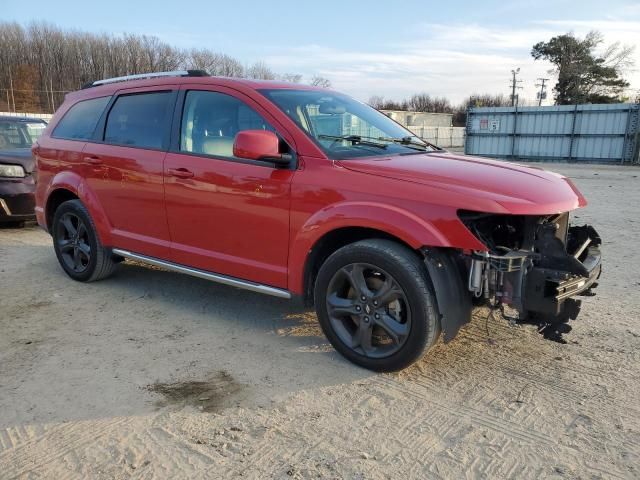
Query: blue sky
{"points": [[365, 48]]}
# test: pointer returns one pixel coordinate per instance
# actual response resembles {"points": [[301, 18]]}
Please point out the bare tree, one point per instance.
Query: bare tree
{"points": [[487, 100], [376, 101], [230, 67], [291, 77], [423, 102], [260, 71], [44, 62], [217, 64], [318, 81], [380, 103]]}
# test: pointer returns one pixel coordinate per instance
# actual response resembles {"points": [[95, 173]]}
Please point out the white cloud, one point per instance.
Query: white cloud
{"points": [[447, 60]]}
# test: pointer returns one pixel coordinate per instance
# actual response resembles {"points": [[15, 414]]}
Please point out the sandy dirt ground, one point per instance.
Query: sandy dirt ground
{"points": [[151, 374]]}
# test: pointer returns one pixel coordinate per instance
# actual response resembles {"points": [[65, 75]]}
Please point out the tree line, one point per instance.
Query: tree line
{"points": [[423, 102], [39, 63]]}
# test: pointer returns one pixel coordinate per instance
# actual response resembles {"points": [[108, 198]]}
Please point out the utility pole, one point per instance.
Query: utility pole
{"points": [[13, 99], [53, 106], [542, 94], [514, 86]]}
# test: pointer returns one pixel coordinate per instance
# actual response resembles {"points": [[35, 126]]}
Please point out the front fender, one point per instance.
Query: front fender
{"points": [[395, 221], [75, 184]]}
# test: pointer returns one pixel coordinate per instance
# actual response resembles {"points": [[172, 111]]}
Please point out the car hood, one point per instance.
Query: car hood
{"points": [[18, 156], [516, 189]]}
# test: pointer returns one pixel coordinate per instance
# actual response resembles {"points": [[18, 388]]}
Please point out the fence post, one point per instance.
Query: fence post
{"points": [[573, 132], [515, 127], [467, 130], [631, 133]]}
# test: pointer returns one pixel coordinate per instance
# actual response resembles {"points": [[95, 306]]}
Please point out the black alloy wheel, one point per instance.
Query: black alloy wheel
{"points": [[376, 304], [368, 310], [77, 244], [72, 237]]}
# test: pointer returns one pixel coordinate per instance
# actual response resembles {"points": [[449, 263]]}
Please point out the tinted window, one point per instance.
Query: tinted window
{"points": [[211, 120], [139, 120], [81, 119]]}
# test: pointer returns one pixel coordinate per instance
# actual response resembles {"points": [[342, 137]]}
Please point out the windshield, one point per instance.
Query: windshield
{"points": [[35, 129], [343, 127], [18, 134]]}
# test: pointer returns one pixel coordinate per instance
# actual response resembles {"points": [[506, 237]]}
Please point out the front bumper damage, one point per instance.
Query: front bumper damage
{"points": [[534, 268]]}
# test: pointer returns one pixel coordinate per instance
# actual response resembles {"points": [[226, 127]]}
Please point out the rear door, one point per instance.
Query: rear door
{"points": [[226, 214], [62, 149], [125, 167]]}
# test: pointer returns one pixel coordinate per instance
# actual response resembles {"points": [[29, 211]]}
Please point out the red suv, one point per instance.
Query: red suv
{"points": [[292, 190]]}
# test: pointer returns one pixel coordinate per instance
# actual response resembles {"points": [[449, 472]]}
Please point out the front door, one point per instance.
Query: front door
{"points": [[226, 215]]}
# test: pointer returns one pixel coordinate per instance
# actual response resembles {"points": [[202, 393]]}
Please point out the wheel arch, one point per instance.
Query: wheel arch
{"points": [[339, 224], [68, 186], [54, 200], [330, 242]]}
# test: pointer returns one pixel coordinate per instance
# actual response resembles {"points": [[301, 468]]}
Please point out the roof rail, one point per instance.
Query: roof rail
{"points": [[139, 76]]}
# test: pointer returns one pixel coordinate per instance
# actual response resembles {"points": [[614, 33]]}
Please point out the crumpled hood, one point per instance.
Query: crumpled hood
{"points": [[18, 156], [519, 189]]}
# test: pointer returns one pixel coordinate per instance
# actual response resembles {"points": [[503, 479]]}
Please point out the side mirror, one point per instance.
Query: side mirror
{"points": [[259, 145]]}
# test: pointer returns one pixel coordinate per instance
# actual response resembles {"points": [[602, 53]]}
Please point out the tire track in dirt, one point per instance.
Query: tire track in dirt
{"points": [[465, 413], [561, 379], [32, 456], [454, 414], [11, 438]]}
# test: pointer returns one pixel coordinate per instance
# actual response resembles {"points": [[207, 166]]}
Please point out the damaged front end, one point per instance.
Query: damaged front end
{"points": [[533, 267]]}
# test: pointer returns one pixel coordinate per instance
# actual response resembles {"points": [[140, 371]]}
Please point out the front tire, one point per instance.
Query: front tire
{"points": [[77, 245], [376, 305]]}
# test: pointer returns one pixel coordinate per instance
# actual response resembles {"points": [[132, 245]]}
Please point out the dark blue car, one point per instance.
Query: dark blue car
{"points": [[17, 168]]}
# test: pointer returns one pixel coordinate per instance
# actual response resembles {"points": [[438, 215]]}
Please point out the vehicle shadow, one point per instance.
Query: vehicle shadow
{"points": [[146, 338], [127, 344]]}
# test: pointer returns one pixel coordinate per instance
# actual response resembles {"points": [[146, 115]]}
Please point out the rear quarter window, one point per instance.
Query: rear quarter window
{"points": [[81, 119]]}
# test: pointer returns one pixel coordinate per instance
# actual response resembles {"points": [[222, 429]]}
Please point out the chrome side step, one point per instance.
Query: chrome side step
{"points": [[214, 277]]}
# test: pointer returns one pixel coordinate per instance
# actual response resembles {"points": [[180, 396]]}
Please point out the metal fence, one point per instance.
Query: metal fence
{"points": [[445, 137], [571, 133], [43, 116]]}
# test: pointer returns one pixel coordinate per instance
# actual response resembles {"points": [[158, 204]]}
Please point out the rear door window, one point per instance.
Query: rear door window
{"points": [[81, 119], [140, 120]]}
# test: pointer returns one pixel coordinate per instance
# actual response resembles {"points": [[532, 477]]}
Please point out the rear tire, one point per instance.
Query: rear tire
{"points": [[376, 304], [77, 245]]}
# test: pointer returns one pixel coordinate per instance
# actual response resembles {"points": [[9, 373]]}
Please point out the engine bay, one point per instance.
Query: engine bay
{"points": [[533, 267]]}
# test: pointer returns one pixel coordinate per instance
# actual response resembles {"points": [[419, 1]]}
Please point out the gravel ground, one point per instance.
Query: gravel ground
{"points": [[151, 374]]}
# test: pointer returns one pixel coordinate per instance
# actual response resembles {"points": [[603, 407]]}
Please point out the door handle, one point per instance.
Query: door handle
{"points": [[93, 160], [180, 172]]}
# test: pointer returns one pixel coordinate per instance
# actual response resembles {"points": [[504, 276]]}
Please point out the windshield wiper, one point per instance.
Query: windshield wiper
{"points": [[407, 141], [355, 140]]}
